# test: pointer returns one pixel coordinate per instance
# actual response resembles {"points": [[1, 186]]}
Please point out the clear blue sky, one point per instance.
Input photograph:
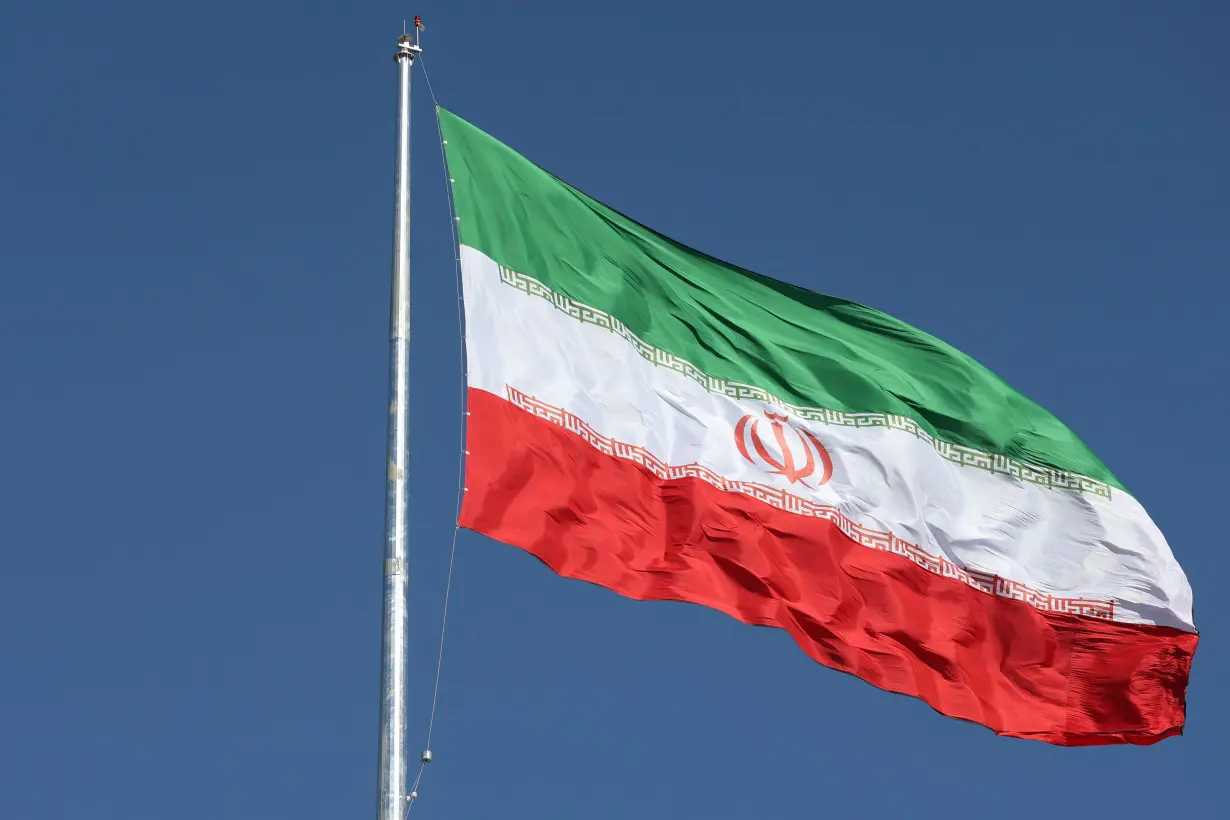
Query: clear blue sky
{"points": [[195, 213]]}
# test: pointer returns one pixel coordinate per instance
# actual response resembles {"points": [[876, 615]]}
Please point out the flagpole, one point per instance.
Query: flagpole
{"points": [[392, 791]]}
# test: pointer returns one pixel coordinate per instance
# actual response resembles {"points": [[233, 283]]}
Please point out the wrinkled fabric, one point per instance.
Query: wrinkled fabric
{"points": [[1022, 672], [802, 347], [1070, 551]]}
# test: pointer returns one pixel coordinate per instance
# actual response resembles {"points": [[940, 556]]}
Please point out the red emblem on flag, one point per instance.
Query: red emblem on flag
{"points": [[786, 459]]}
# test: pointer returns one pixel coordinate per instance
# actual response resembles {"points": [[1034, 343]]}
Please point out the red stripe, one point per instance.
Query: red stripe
{"points": [[1018, 670]]}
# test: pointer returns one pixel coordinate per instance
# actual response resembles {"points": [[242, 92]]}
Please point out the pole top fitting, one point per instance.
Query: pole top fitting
{"points": [[406, 49], [407, 46]]}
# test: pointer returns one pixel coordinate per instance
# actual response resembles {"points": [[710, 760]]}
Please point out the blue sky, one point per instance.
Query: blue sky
{"points": [[195, 213]]}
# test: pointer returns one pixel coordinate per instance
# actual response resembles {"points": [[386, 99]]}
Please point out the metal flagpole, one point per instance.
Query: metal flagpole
{"points": [[392, 794]]}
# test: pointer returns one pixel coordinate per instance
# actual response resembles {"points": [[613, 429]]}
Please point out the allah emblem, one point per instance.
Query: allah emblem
{"points": [[792, 453]]}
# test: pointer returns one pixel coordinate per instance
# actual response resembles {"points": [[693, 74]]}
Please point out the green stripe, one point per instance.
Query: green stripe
{"points": [[807, 348]]}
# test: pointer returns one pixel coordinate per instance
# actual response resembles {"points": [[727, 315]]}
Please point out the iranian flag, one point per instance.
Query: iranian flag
{"points": [[651, 419]]}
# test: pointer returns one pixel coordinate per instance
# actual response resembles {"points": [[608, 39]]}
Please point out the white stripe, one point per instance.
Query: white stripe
{"points": [[1060, 542]]}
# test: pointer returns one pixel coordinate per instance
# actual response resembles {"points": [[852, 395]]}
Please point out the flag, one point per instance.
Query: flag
{"points": [[656, 421]]}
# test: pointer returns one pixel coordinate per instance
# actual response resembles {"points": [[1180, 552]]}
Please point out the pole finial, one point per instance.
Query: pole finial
{"points": [[407, 46]]}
